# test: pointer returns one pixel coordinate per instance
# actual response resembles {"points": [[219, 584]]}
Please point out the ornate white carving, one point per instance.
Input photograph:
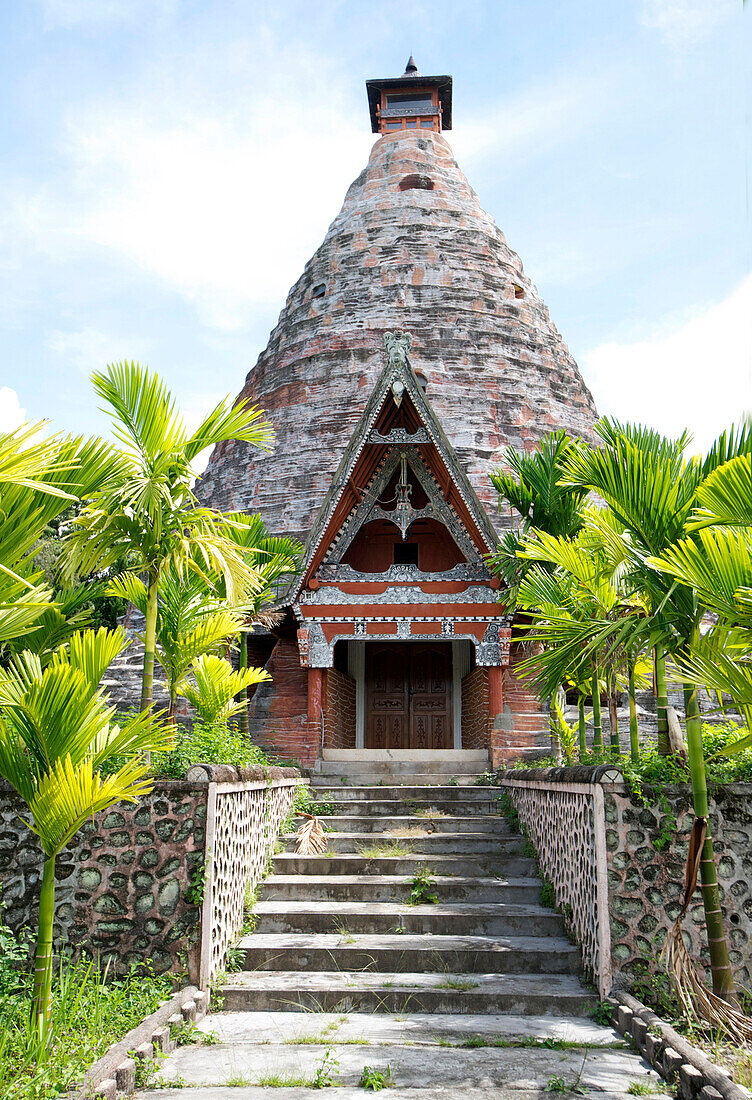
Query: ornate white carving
{"points": [[465, 571], [399, 436], [403, 594]]}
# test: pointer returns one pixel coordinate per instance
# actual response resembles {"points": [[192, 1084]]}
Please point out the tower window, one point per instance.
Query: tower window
{"points": [[319, 290], [411, 100], [405, 553], [409, 183], [518, 291]]}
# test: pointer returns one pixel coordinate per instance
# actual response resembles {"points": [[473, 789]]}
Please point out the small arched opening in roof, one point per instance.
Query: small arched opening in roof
{"points": [[319, 290], [416, 182], [519, 292]]}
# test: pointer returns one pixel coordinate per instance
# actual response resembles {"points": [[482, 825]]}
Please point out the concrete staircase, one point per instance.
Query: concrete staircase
{"points": [[479, 992]]}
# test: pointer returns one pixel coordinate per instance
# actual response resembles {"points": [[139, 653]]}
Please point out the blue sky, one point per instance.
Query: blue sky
{"points": [[168, 166]]}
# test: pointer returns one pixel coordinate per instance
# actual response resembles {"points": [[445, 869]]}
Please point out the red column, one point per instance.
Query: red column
{"points": [[495, 710], [315, 707], [495, 692]]}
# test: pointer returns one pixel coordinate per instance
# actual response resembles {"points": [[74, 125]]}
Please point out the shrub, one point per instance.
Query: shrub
{"points": [[207, 743]]}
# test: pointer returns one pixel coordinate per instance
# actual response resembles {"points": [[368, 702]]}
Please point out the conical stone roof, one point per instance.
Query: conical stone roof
{"points": [[411, 249]]}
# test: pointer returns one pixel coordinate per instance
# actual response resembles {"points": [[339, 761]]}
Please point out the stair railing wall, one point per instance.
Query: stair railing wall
{"points": [[562, 812], [242, 825]]}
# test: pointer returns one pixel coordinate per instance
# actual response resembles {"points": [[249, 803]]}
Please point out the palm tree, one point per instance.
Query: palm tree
{"points": [[658, 496], [533, 490], [191, 621], [276, 560], [56, 738], [214, 687], [39, 477], [575, 590], [149, 514]]}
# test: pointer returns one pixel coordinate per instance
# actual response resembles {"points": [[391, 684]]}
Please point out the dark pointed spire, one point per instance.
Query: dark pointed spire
{"points": [[411, 68]]}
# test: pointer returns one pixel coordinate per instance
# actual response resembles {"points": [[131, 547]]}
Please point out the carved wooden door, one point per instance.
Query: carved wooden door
{"points": [[409, 696], [431, 725], [387, 723]]}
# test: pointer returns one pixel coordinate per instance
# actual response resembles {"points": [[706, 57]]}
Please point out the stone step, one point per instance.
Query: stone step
{"points": [[397, 888], [415, 807], [357, 991], [398, 779], [419, 840], [410, 1066], [354, 918], [419, 954], [407, 792], [360, 823], [276, 1027], [433, 1092], [352, 863]]}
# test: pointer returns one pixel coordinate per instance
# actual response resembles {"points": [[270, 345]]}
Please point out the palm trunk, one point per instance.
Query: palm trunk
{"points": [[613, 719], [40, 1004], [597, 725], [243, 665], [582, 726], [150, 645], [661, 700], [723, 980], [553, 722], [634, 735]]}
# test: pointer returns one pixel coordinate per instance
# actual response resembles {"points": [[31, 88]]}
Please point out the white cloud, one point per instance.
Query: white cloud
{"points": [[220, 185], [696, 373], [11, 413], [684, 23], [89, 349], [532, 121], [74, 13]]}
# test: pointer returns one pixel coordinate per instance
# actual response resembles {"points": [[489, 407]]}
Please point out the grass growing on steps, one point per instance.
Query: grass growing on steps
{"points": [[525, 1041], [389, 848], [460, 985]]}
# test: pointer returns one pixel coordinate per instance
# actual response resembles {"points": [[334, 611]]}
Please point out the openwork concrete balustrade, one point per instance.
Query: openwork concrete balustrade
{"points": [[563, 814], [616, 863], [242, 824]]}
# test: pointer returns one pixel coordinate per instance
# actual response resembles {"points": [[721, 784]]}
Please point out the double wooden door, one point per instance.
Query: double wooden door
{"points": [[409, 695]]}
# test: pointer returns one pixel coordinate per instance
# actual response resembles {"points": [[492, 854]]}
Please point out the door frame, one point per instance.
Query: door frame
{"points": [[356, 668]]}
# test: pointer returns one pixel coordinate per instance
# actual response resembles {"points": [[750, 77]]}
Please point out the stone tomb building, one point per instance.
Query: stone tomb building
{"points": [[412, 350]]}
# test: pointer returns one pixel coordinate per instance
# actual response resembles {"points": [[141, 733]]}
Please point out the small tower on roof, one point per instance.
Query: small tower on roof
{"points": [[410, 102]]}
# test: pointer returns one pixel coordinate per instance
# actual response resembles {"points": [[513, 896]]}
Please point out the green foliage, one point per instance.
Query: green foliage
{"points": [[90, 1011], [327, 1071], [602, 1013], [306, 802], [207, 743], [655, 771], [547, 896], [507, 810], [650, 984], [564, 733], [421, 889], [195, 892], [374, 1080], [214, 687], [641, 1088]]}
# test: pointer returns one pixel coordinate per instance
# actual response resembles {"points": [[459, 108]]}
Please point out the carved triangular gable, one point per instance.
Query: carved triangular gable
{"points": [[447, 487], [369, 508]]}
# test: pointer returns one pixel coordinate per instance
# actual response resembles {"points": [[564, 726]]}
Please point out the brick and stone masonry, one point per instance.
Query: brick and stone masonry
{"points": [[431, 262], [411, 250]]}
